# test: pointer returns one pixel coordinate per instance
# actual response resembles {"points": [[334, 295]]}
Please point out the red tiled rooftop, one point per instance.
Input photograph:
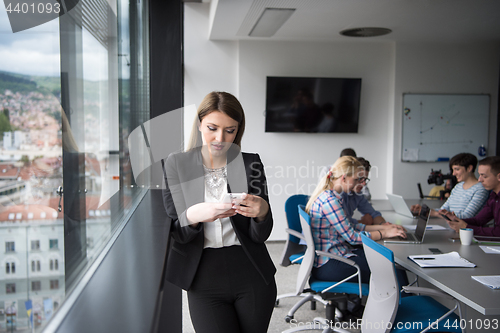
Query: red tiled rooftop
{"points": [[46, 209]]}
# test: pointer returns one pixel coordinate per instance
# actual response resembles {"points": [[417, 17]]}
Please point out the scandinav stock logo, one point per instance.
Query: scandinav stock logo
{"points": [[26, 14]]}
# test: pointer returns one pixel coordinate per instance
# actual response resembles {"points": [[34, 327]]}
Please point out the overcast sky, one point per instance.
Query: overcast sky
{"points": [[34, 51]]}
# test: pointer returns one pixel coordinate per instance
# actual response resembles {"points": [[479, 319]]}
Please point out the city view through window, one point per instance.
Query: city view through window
{"points": [[30, 173], [71, 90]]}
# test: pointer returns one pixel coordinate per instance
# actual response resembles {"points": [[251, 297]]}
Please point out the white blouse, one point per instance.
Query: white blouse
{"points": [[219, 233]]}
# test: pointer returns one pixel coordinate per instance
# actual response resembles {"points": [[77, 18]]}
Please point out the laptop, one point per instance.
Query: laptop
{"points": [[418, 236], [487, 239], [399, 205]]}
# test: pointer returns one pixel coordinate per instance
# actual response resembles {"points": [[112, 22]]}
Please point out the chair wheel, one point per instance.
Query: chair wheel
{"points": [[277, 302], [288, 318]]}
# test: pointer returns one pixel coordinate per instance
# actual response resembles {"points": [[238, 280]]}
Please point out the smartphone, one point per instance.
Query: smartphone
{"points": [[454, 239], [445, 217], [435, 250], [235, 198]]}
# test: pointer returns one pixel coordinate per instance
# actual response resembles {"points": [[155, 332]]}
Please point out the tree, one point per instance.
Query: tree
{"points": [[6, 113], [4, 123]]}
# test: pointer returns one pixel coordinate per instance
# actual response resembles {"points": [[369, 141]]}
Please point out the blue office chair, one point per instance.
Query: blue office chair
{"points": [[334, 293], [385, 309], [294, 250], [295, 245]]}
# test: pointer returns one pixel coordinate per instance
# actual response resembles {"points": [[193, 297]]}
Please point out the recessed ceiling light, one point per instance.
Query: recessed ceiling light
{"points": [[270, 21], [365, 32]]}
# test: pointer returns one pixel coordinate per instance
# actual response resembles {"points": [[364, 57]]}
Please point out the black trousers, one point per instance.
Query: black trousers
{"points": [[229, 295]]}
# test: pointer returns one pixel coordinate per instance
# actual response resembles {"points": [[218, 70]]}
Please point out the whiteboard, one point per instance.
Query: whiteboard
{"points": [[437, 127]]}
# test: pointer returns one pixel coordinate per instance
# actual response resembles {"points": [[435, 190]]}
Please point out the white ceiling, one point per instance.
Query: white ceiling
{"points": [[410, 20]]}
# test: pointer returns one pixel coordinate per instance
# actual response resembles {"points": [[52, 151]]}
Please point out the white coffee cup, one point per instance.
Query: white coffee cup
{"points": [[466, 236]]}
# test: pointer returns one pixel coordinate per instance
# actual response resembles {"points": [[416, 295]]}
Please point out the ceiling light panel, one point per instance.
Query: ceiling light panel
{"points": [[256, 9], [270, 21]]}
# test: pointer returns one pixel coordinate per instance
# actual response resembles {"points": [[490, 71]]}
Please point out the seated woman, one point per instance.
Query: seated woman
{"points": [[468, 196], [331, 229]]}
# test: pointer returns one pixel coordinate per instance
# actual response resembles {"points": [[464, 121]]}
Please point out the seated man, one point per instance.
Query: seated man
{"points": [[468, 196], [489, 176], [348, 152], [357, 200]]}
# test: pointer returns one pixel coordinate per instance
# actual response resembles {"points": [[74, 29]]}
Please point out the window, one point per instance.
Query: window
{"points": [[10, 288], [36, 285], [10, 247], [35, 266], [35, 245], [54, 264], [95, 64], [53, 244], [10, 267], [54, 284]]}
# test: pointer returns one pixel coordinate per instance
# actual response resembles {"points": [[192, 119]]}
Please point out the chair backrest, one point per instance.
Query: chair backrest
{"points": [[308, 259], [383, 298], [292, 217]]}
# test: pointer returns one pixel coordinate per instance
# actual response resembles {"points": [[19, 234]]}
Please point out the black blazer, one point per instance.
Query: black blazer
{"points": [[185, 186]]}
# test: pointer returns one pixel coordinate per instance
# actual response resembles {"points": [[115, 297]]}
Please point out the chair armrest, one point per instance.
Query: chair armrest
{"points": [[295, 233], [336, 257], [427, 291]]}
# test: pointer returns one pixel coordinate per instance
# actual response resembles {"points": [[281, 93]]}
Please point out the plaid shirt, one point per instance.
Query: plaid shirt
{"points": [[330, 227]]}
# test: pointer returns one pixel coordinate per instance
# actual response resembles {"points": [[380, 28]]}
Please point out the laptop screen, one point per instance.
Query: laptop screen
{"points": [[422, 222]]}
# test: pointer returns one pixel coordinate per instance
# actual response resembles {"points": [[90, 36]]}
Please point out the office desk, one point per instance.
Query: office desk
{"points": [[455, 281]]}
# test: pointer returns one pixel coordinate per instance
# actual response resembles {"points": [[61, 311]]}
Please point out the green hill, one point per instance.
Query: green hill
{"points": [[16, 83], [49, 83], [52, 85], [27, 83]]}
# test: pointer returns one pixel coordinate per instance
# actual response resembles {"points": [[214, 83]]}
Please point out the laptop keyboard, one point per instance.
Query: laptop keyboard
{"points": [[409, 237]]}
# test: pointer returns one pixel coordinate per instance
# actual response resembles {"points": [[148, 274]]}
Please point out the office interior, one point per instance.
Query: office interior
{"points": [[90, 254]]}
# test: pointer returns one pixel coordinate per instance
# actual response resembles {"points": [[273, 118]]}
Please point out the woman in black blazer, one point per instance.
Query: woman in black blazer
{"points": [[218, 253]]}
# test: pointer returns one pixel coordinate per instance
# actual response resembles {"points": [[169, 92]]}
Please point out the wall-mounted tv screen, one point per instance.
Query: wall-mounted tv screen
{"points": [[314, 105]]}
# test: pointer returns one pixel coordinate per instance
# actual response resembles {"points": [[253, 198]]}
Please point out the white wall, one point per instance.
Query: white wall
{"points": [[208, 65], [443, 68], [387, 70], [293, 160]]}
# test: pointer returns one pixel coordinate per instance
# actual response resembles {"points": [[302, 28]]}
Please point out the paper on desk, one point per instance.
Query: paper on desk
{"points": [[452, 259], [492, 281], [490, 249], [412, 227]]}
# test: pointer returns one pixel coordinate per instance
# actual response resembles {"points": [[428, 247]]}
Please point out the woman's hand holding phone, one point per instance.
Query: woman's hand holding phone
{"points": [[209, 212], [252, 206]]}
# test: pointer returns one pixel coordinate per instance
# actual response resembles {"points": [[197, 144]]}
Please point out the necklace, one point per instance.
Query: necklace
{"points": [[215, 180]]}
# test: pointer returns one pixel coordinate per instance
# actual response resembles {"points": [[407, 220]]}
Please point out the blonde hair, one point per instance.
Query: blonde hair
{"points": [[218, 101], [346, 165]]}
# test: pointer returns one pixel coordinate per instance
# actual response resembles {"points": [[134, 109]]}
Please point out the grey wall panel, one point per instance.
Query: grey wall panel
{"points": [[121, 296]]}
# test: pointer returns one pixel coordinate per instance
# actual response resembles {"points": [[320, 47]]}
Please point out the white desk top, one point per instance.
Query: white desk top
{"points": [[455, 281]]}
